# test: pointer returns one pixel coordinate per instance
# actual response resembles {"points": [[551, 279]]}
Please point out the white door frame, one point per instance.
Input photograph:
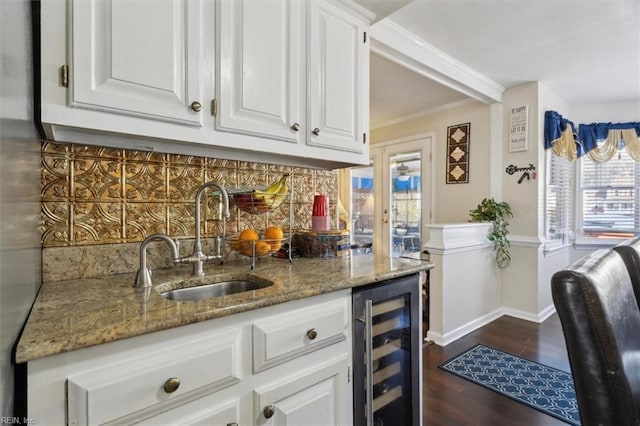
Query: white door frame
{"points": [[380, 153]]}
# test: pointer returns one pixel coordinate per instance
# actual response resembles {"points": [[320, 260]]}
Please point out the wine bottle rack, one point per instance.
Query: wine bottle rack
{"points": [[387, 338]]}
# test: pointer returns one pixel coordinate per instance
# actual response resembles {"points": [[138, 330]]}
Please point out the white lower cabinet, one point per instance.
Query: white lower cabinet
{"points": [[314, 397], [284, 364]]}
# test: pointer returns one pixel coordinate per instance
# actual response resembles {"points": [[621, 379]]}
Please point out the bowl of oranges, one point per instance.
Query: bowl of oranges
{"points": [[250, 243]]}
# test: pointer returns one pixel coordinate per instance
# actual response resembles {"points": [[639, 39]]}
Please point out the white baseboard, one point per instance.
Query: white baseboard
{"points": [[528, 316], [444, 340]]}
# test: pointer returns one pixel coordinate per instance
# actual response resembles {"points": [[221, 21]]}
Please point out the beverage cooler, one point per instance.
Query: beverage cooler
{"points": [[387, 349]]}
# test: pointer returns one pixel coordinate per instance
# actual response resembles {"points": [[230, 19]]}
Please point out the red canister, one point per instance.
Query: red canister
{"points": [[320, 205], [320, 213]]}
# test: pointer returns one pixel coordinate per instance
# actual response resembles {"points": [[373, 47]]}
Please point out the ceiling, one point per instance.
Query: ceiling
{"points": [[583, 50]]}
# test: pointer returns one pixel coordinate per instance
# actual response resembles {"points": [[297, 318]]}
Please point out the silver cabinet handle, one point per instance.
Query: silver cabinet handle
{"points": [[368, 348], [171, 385], [316, 131], [196, 106], [295, 127], [268, 411], [312, 334]]}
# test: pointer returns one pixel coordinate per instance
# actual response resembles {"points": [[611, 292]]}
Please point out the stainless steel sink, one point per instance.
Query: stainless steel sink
{"points": [[215, 286]]}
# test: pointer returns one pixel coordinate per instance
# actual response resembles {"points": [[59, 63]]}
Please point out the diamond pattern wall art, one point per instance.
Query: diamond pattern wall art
{"points": [[458, 137]]}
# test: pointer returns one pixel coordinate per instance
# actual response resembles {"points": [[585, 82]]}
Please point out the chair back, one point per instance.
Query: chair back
{"points": [[600, 319], [629, 250]]}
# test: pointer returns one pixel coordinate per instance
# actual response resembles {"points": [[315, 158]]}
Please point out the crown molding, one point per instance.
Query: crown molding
{"points": [[424, 113], [401, 46]]}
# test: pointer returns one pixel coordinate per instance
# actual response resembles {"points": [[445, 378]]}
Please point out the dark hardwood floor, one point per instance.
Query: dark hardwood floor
{"points": [[450, 400]]}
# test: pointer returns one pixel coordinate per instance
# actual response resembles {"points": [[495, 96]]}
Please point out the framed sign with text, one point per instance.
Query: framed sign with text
{"points": [[518, 127]]}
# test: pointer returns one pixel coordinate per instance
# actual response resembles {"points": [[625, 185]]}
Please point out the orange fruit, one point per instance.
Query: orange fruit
{"points": [[246, 236], [249, 234], [246, 247], [274, 233], [262, 248]]}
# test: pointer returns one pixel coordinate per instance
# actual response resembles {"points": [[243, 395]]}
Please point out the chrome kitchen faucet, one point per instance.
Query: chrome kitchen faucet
{"points": [[143, 276], [197, 258]]}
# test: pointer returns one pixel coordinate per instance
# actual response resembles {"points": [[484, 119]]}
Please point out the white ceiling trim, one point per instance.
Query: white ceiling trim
{"points": [[393, 42], [424, 113]]}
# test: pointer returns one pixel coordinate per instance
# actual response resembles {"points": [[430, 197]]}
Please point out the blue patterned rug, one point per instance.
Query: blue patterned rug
{"points": [[539, 386]]}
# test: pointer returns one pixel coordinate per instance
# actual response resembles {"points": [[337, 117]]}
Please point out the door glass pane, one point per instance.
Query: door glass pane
{"points": [[406, 202], [362, 205]]}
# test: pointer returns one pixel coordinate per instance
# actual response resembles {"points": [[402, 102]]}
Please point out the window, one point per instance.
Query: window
{"points": [[609, 198], [559, 195]]}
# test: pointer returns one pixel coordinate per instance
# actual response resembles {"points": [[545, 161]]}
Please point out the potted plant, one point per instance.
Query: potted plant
{"points": [[497, 213]]}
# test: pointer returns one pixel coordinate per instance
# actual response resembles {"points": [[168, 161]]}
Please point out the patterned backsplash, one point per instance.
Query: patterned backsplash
{"points": [[96, 195]]}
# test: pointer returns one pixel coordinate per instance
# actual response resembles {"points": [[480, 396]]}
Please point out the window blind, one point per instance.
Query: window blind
{"points": [[559, 205], [609, 197]]}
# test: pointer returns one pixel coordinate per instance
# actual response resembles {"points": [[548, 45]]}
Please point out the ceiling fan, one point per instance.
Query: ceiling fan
{"points": [[403, 169]]}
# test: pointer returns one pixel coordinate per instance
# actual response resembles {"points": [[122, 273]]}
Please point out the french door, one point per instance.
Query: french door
{"points": [[391, 199]]}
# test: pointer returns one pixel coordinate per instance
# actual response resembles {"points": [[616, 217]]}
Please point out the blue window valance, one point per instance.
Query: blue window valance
{"points": [[590, 134], [561, 136]]}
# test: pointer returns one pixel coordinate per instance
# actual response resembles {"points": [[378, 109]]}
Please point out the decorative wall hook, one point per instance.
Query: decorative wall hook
{"points": [[527, 172]]}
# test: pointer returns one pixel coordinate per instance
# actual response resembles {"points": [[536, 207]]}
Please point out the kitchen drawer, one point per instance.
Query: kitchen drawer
{"points": [[205, 411], [282, 337], [136, 388]]}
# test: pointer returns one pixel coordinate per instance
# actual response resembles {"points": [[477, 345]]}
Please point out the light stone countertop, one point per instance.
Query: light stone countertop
{"points": [[75, 314]]}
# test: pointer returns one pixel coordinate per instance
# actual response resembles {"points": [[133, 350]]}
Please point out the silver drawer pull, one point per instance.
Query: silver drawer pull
{"points": [[171, 385], [312, 334], [268, 411]]}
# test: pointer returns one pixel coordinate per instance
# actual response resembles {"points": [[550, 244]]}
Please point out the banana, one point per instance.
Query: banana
{"points": [[260, 201], [280, 196], [270, 190], [273, 196]]}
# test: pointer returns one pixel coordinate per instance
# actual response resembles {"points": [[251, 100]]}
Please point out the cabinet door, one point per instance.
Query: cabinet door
{"points": [[315, 397], [338, 79], [261, 68], [137, 57]]}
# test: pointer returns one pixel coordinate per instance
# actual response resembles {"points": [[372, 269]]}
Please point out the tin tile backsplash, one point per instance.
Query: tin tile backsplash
{"points": [[95, 195]]}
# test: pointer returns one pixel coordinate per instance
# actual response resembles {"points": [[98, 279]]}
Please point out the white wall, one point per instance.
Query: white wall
{"points": [[526, 283], [460, 198], [520, 279], [19, 188], [614, 112], [461, 299]]}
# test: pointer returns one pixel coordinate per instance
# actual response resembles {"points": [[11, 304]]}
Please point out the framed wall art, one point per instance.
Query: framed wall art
{"points": [[518, 127], [458, 138]]}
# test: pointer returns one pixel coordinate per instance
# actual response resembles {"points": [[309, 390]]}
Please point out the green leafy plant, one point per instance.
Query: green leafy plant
{"points": [[497, 213]]}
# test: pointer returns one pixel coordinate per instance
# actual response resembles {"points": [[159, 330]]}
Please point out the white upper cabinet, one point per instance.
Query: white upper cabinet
{"points": [[338, 112], [140, 58], [294, 71], [279, 81], [261, 68]]}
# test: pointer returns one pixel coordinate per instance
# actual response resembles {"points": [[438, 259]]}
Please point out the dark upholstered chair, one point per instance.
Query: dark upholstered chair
{"points": [[630, 252], [600, 319]]}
